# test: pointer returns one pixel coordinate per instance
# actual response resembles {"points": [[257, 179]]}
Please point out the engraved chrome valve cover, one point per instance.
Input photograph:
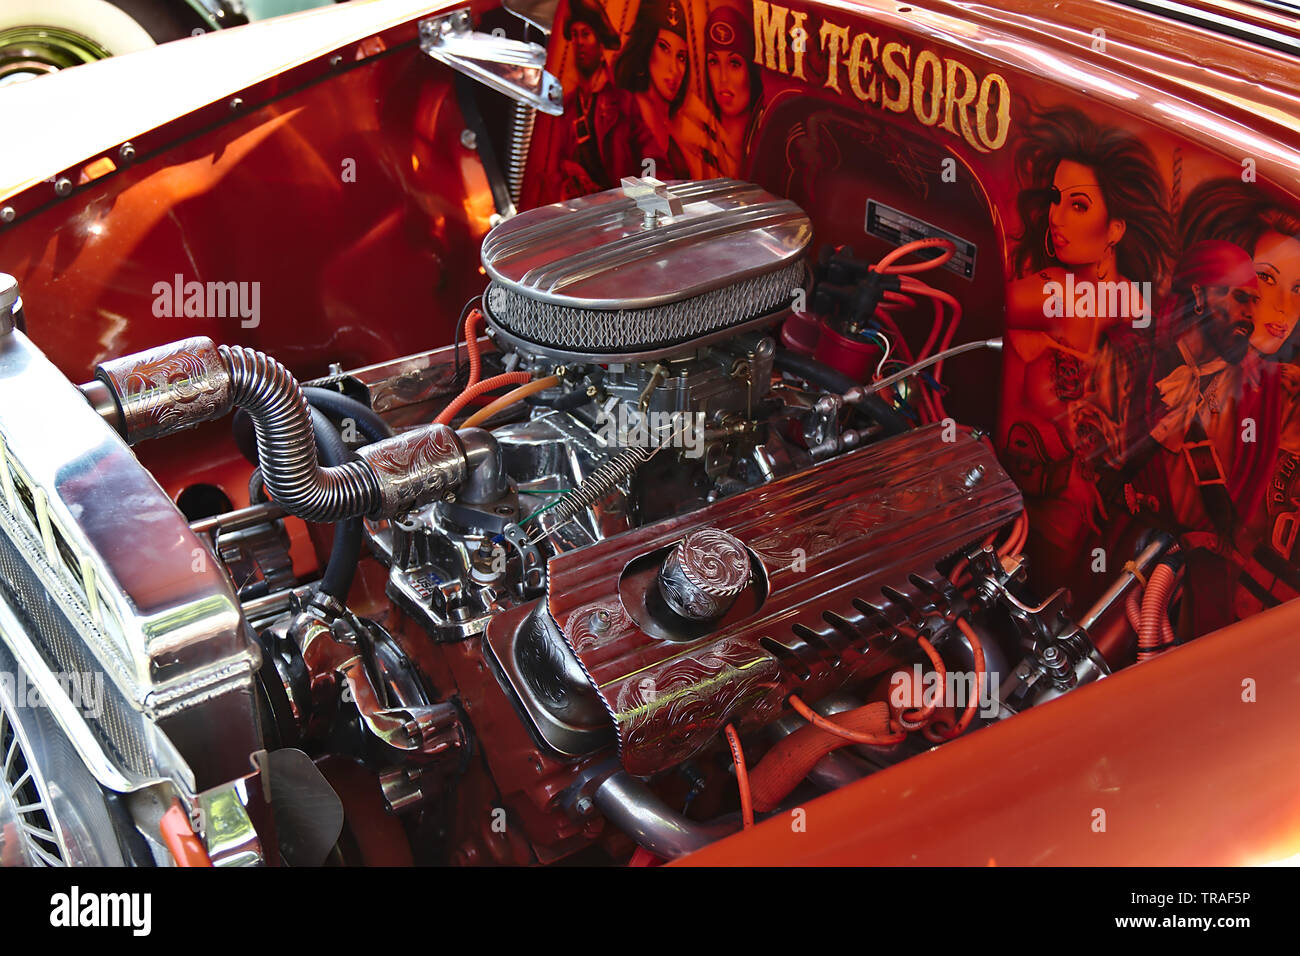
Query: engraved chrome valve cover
{"points": [[839, 554]]}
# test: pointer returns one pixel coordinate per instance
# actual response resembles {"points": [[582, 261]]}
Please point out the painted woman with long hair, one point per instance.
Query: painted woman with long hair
{"points": [[655, 65], [1095, 224]]}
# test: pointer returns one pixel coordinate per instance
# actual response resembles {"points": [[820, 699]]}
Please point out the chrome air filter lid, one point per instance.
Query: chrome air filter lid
{"points": [[645, 267]]}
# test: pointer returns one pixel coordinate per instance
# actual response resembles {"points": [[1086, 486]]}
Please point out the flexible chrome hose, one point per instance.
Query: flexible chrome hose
{"points": [[286, 446], [167, 389]]}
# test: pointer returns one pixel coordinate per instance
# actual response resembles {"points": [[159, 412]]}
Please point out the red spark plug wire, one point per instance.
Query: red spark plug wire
{"points": [[853, 736], [742, 776], [936, 731]]}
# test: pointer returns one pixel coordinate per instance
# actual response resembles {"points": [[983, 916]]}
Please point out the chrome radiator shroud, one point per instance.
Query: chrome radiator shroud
{"points": [[102, 575], [841, 553]]}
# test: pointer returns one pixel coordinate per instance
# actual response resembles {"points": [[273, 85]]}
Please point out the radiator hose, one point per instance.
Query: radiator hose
{"points": [[346, 550], [173, 387]]}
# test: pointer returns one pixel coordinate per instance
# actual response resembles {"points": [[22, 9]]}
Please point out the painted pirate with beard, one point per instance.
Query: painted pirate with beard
{"points": [[1166, 421], [602, 137]]}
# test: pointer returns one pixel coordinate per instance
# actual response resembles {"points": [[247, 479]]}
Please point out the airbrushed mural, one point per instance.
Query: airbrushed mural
{"points": [[636, 104], [1148, 377], [1151, 288]]}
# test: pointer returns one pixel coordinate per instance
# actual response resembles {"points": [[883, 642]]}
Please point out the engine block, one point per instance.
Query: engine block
{"points": [[827, 590]]}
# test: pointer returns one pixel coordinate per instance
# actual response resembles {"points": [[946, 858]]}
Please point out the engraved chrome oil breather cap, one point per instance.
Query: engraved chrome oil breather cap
{"points": [[704, 574]]}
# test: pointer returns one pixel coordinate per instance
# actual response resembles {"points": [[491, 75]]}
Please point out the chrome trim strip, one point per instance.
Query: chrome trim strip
{"points": [[1221, 23]]}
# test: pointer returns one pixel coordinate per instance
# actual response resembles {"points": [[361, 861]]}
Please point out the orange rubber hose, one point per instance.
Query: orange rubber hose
{"points": [[471, 346], [478, 388], [509, 398], [1133, 608], [177, 835], [1155, 605], [792, 759]]}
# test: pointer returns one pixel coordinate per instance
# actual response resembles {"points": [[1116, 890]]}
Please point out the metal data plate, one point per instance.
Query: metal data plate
{"points": [[897, 228]]}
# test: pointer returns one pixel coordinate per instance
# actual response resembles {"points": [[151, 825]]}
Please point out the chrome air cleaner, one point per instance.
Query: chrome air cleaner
{"points": [[644, 271]]}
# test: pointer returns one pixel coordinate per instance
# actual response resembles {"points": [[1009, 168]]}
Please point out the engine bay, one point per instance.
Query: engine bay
{"points": [[671, 531], [596, 502]]}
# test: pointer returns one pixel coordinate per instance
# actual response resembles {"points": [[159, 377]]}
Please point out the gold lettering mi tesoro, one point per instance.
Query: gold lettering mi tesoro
{"points": [[936, 90]]}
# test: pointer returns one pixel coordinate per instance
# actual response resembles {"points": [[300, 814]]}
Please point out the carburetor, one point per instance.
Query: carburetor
{"points": [[653, 304]]}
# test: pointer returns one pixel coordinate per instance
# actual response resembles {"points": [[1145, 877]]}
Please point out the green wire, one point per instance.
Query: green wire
{"points": [[541, 510], [544, 508]]}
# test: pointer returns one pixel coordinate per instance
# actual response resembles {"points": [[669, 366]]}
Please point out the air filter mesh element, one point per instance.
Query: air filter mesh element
{"points": [[604, 274], [601, 330]]}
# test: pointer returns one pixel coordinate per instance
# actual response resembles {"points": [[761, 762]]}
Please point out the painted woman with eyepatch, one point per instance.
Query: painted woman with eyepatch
{"points": [[1268, 552], [1093, 212]]}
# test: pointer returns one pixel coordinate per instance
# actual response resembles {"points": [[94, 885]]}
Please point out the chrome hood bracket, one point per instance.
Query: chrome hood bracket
{"points": [[512, 68]]}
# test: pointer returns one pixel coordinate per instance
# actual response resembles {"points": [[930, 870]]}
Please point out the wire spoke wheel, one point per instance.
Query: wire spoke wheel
{"points": [[52, 810], [28, 834]]}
